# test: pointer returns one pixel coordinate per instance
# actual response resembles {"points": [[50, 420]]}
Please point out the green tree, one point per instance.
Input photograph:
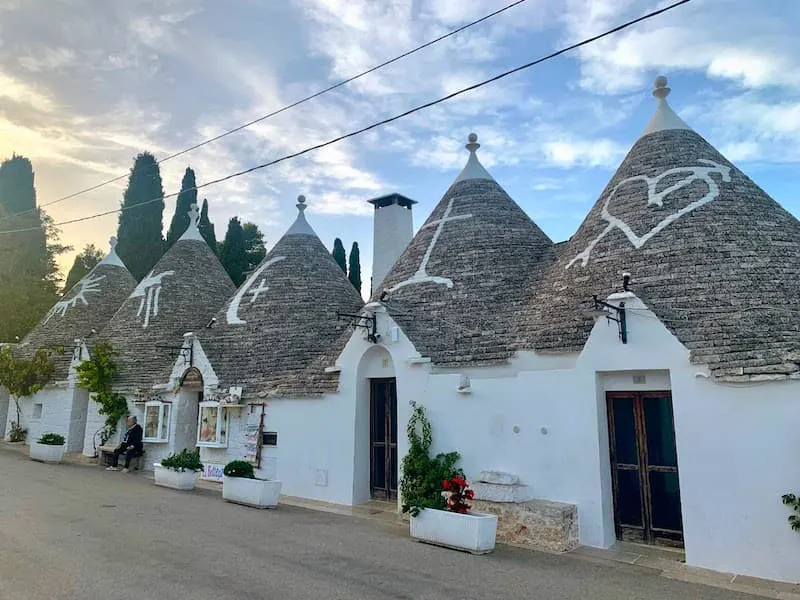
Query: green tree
{"points": [[339, 254], [186, 197], [233, 252], [207, 228], [140, 243], [17, 193], [355, 267], [87, 260], [23, 377], [254, 245], [29, 276]]}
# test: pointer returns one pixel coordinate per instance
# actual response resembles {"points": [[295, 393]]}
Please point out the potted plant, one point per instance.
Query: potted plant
{"points": [[180, 470], [49, 448], [240, 485], [436, 494]]}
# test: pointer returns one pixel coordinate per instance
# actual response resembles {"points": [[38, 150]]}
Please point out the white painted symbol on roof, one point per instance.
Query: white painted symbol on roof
{"points": [[87, 285], [233, 309], [421, 276], [657, 198], [149, 290]]}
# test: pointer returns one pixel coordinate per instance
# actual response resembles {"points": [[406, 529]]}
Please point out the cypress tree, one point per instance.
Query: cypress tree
{"points": [[140, 242], [87, 260], [206, 228], [339, 254], [17, 193], [186, 197], [355, 267], [233, 252]]}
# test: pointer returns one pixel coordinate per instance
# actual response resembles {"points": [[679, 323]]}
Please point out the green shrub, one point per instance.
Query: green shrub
{"points": [[184, 460], [239, 468], [421, 485], [52, 439], [793, 502]]}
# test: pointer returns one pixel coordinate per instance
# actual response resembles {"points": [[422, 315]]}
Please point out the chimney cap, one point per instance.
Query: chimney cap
{"points": [[390, 199]]}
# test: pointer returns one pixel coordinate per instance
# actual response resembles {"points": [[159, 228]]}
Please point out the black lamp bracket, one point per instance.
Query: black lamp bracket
{"points": [[186, 353], [368, 322], [620, 317]]}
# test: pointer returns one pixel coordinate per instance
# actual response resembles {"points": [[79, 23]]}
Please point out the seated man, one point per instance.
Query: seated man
{"points": [[131, 445]]}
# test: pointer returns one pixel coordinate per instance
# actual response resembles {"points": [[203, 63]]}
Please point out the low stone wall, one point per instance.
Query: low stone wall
{"points": [[538, 524]]}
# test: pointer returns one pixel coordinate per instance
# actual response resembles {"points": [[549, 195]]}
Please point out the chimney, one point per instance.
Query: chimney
{"points": [[392, 232]]}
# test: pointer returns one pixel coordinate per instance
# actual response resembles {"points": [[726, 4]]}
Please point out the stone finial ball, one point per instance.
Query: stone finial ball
{"points": [[661, 81], [472, 137], [301, 198]]}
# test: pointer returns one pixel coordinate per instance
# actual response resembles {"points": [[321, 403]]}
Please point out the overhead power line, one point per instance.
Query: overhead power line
{"points": [[293, 104], [386, 121]]}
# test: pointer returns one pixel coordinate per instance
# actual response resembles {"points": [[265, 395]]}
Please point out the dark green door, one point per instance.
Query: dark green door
{"points": [[644, 467]]}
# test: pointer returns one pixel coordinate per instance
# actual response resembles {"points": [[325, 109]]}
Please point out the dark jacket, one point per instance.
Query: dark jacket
{"points": [[133, 437]]}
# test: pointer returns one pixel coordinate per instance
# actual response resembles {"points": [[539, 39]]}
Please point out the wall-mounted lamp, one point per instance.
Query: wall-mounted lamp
{"points": [[464, 385], [612, 313]]}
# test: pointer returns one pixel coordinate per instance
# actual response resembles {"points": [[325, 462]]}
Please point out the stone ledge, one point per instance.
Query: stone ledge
{"points": [[497, 492], [537, 524]]}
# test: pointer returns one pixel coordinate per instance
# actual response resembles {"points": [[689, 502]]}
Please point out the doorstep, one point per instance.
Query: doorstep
{"points": [[670, 563]]}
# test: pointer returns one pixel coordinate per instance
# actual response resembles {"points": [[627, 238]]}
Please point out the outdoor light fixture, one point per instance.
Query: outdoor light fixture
{"points": [[612, 313], [368, 322]]}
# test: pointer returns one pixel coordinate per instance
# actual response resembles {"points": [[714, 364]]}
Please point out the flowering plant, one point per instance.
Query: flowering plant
{"points": [[459, 495]]}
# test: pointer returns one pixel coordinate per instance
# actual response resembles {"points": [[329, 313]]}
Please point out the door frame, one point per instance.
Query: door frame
{"points": [[382, 493], [650, 534]]}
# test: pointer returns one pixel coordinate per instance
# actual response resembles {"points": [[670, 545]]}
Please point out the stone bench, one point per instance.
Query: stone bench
{"points": [[538, 524], [107, 455]]}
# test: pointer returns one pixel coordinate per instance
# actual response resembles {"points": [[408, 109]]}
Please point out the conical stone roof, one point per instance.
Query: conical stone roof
{"points": [[268, 336], [180, 294], [456, 288], [708, 251], [87, 306]]}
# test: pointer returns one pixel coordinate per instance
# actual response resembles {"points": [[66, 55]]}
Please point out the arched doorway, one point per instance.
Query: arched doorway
{"points": [[188, 410], [377, 423]]}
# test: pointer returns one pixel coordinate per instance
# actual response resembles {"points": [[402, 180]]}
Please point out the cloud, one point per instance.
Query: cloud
{"points": [[19, 92]]}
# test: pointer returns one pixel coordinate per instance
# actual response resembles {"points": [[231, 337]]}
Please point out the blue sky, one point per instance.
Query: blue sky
{"points": [[85, 85]]}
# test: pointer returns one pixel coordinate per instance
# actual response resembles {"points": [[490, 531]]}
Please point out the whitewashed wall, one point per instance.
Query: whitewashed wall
{"points": [[5, 400], [51, 410]]}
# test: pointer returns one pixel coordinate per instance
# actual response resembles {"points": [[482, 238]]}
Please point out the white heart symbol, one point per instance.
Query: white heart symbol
{"points": [[693, 174]]}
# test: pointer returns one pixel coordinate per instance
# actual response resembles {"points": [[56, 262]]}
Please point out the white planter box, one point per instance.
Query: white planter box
{"points": [[474, 532], [258, 493], [46, 452], [177, 480]]}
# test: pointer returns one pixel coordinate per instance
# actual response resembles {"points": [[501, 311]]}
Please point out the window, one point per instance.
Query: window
{"points": [[269, 438], [37, 411], [212, 425], [156, 421]]}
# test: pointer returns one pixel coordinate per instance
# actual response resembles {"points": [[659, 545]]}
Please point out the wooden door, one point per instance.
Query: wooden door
{"points": [[644, 467], [383, 438]]}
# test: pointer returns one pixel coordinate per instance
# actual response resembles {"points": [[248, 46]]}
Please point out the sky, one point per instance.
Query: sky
{"points": [[85, 85]]}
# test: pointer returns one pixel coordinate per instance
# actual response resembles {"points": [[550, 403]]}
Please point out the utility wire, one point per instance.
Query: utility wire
{"points": [[397, 117], [293, 104]]}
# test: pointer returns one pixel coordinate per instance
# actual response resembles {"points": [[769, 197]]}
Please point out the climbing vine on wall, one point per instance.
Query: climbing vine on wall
{"points": [[23, 377], [421, 485], [793, 501], [96, 375]]}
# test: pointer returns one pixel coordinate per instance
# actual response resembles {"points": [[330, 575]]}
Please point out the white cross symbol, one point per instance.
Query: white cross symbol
{"points": [[256, 292], [421, 276]]}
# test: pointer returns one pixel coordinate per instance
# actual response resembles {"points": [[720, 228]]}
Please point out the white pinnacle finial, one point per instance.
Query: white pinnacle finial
{"points": [[665, 118], [473, 169], [300, 225], [301, 203], [112, 242], [194, 215], [661, 91], [111, 258]]}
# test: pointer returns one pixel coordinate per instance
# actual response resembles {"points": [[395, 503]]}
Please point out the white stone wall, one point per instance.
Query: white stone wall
{"points": [[5, 400]]}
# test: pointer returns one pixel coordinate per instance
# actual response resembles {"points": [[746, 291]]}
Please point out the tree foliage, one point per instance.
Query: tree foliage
{"points": [[254, 245], [186, 197], [29, 276], [421, 484], [339, 254], [140, 244], [354, 273], [233, 252], [23, 377], [96, 375], [84, 262], [207, 228]]}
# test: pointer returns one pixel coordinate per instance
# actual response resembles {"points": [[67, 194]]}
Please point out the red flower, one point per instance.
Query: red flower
{"points": [[446, 484]]}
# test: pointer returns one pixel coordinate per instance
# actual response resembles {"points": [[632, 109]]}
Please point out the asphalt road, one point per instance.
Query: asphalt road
{"points": [[80, 533]]}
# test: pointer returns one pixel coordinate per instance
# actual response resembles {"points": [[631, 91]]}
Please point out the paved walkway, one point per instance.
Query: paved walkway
{"points": [[75, 532]]}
